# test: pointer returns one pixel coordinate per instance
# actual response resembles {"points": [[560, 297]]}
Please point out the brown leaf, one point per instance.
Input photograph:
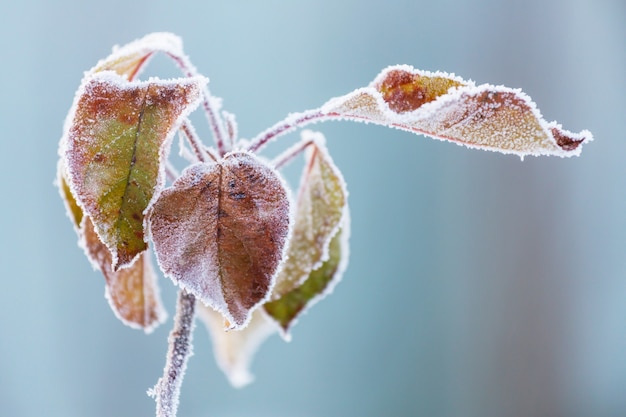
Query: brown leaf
{"points": [[446, 107], [220, 230], [132, 292]]}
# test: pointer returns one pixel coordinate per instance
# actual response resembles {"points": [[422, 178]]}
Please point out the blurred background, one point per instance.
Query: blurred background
{"points": [[478, 285]]}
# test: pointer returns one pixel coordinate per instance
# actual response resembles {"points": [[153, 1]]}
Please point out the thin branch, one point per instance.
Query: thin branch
{"points": [[211, 152], [171, 172], [210, 104], [166, 392], [287, 156], [194, 141], [289, 124]]}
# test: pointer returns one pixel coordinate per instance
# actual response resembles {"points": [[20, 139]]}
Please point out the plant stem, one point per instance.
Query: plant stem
{"points": [[287, 156], [290, 123], [166, 392], [210, 103], [194, 141], [170, 172]]}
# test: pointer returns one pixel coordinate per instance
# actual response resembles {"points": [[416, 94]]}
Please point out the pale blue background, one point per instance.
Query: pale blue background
{"points": [[479, 286]]}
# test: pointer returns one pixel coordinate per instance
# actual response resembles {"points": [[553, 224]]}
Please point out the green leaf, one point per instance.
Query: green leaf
{"points": [[116, 143], [322, 200], [286, 309], [220, 231], [315, 248], [132, 292], [446, 107]]}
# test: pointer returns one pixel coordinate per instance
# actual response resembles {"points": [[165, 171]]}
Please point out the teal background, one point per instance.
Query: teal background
{"points": [[478, 285]]}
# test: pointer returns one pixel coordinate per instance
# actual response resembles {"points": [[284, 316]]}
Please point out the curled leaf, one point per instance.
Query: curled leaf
{"points": [[322, 201], [132, 292], [446, 107], [130, 59], [219, 232], [234, 350], [115, 146]]}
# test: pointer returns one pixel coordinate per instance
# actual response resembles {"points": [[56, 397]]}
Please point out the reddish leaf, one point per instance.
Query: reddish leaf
{"points": [[132, 292], [115, 145], [446, 107], [220, 230]]}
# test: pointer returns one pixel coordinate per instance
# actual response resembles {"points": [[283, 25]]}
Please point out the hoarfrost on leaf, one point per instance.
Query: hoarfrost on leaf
{"points": [[132, 292], [322, 202], [446, 107], [130, 59], [320, 282], [223, 231], [220, 231], [116, 144]]}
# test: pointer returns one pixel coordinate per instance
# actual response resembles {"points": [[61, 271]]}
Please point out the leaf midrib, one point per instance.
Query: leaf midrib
{"points": [[133, 158]]}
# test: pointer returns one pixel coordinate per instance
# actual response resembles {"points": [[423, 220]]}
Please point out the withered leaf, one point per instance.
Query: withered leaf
{"points": [[115, 145], [446, 107], [322, 201], [132, 292], [286, 309], [128, 60], [219, 232], [234, 350]]}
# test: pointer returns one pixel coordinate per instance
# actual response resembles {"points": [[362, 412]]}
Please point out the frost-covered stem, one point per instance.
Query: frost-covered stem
{"points": [[287, 156], [167, 390], [209, 103], [290, 123], [171, 173], [194, 141]]}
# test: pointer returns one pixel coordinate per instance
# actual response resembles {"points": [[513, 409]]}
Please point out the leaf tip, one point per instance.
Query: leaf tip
{"points": [[570, 142]]}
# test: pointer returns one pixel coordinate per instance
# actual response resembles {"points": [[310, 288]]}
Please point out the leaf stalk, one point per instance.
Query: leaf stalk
{"points": [[166, 392]]}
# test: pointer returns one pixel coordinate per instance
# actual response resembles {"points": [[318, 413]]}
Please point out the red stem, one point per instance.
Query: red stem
{"points": [[287, 125], [287, 156], [194, 141], [211, 109]]}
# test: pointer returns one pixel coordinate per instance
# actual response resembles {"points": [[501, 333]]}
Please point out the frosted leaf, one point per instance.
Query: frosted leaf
{"points": [[446, 107], [322, 200], [132, 292], [286, 309], [220, 231], [130, 59], [115, 146], [234, 350]]}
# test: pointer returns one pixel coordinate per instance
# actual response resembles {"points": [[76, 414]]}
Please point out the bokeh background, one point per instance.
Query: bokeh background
{"points": [[478, 285]]}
